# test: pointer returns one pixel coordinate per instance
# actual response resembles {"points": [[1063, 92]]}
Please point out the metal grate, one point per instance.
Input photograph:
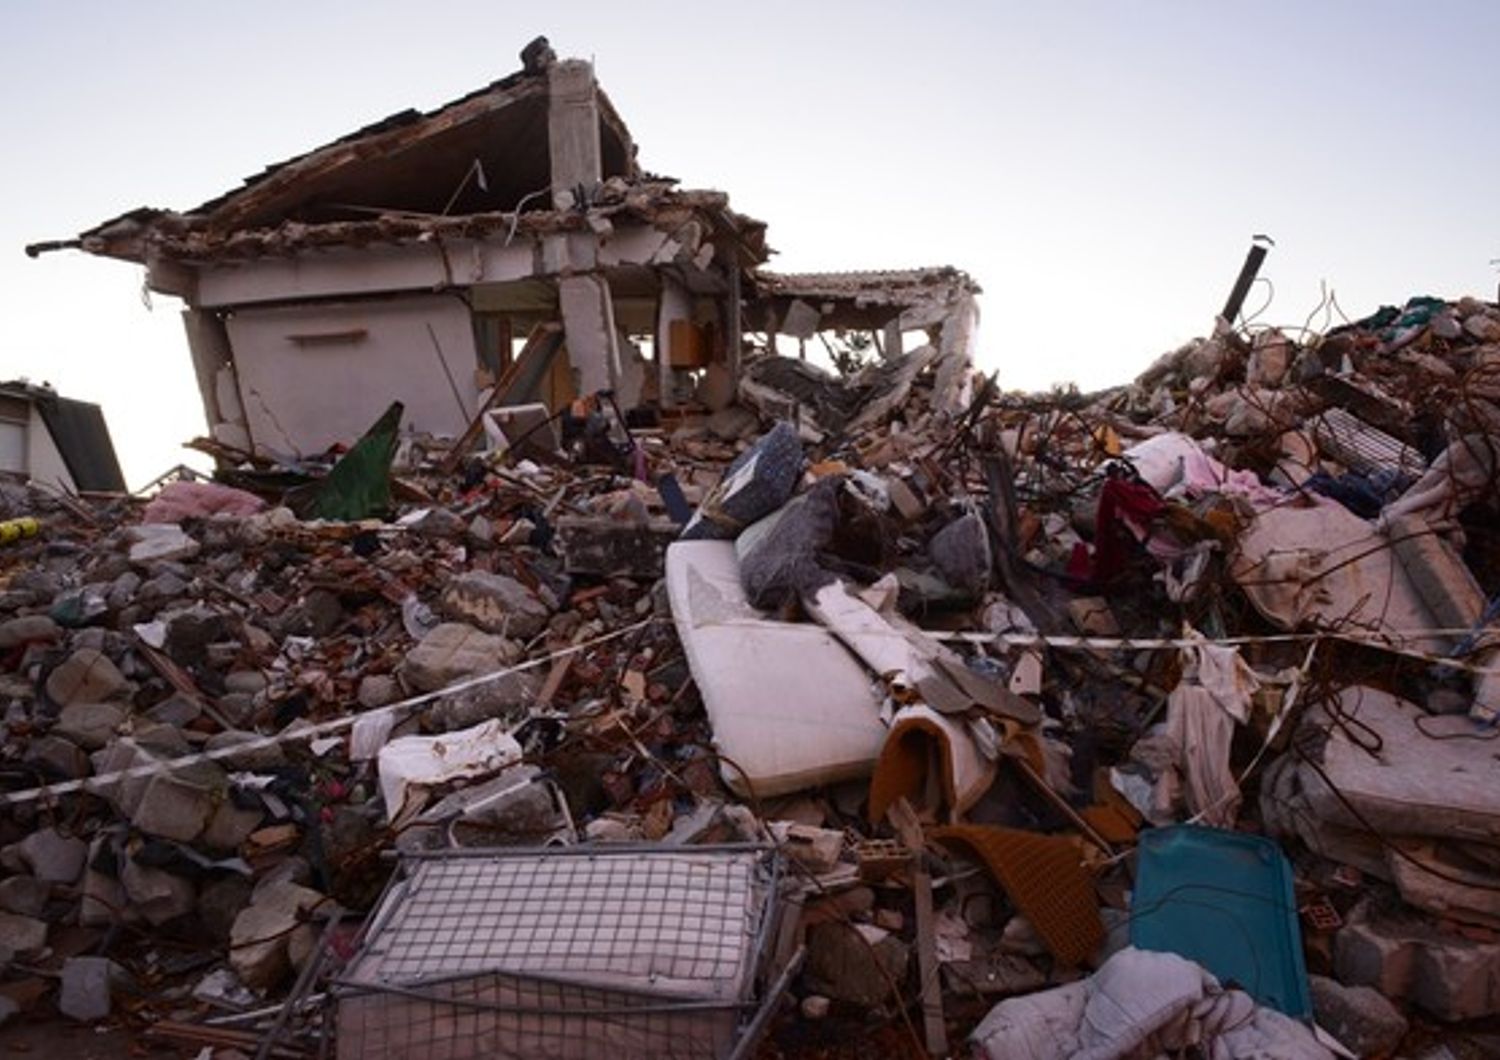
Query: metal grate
{"points": [[561, 952]]}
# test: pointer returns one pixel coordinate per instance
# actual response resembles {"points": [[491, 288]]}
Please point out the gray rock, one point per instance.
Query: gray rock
{"points": [[179, 805], [164, 586], [1483, 326], [52, 856], [176, 710], [86, 987], [38, 580], [89, 725], [1358, 1016], [220, 902], [260, 939], [454, 651], [854, 963], [86, 676], [155, 894], [495, 604], [94, 638], [122, 591], [961, 552], [24, 895], [318, 615], [237, 708], [26, 629], [497, 698], [251, 760], [481, 532], [230, 826], [733, 423], [159, 542], [22, 935], [247, 682], [58, 758], [378, 690], [440, 522]]}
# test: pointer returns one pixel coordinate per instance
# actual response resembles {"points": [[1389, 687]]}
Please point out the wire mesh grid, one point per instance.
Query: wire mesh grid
{"points": [[560, 954]]}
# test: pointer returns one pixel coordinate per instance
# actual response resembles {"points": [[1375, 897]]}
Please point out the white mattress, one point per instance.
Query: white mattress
{"points": [[789, 705]]}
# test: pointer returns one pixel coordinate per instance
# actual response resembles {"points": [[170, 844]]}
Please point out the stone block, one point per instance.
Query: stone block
{"points": [[85, 993], [23, 936], [855, 963], [89, 725], [260, 940], [454, 651], [1451, 977], [86, 676], [1361, 1018], [52, 856], [28, 629], [24, 895], [173, 806], [155, 894], [495, 604]]}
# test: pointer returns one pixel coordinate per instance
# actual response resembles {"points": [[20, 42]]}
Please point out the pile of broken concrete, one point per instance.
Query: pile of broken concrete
{"points": [[976, 665]]}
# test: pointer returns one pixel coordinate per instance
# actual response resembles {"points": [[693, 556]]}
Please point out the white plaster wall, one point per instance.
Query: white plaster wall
{"points": [[43, 461], [302, 398]]}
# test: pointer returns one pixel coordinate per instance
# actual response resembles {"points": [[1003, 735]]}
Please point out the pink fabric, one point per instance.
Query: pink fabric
{"points": [[197, 500]]}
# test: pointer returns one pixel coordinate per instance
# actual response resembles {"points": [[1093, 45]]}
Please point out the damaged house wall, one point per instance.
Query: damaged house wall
{"points": [[311, 376]]}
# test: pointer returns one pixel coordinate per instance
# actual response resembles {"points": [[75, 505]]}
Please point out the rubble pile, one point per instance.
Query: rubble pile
{"points": [[1074, 723]]}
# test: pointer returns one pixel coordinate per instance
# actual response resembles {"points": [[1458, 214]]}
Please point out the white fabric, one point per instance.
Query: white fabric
{"points": [[1138, 1005], [422, 761]]}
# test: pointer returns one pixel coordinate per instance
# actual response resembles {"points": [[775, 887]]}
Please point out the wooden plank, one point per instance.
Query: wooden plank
{"points": [[534, 341], [934, 1028]]}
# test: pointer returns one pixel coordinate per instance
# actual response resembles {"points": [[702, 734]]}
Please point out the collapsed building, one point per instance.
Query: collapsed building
{"points": [[811, 717], [504, 248]]}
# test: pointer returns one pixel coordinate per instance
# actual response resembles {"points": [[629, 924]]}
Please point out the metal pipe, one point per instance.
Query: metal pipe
{"points": [[1248, 271]]}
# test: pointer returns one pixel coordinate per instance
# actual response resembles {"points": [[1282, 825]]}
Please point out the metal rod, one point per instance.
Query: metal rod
{"points": [[756, 1027]]}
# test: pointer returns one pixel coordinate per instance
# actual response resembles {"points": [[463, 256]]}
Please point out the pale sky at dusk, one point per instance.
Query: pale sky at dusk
{"points": [[1098, 167]]}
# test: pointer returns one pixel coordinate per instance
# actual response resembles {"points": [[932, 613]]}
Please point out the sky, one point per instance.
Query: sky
{"points": [[1098, 167]]}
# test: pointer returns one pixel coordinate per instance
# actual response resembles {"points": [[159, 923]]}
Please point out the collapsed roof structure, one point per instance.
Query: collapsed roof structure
{"points": [[416, 259]]}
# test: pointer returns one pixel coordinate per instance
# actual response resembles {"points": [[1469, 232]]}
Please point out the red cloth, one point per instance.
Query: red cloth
{"points": [[1125, 507]]}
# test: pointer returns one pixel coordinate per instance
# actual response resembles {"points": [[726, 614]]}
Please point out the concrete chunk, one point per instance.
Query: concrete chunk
{"points": [[174, 807], [52, 856], [27, 629], [260, 939], [86, 676], [22, 935], [454, 651], [157, 542], [85, 988], [496, 604], [24, 895], [89, 725], [156, 895], [1452, 977], [1358, 1016]]}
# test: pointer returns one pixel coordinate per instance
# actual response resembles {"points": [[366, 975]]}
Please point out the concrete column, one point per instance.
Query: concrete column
{"points": [[676, 304], [208, 342], [573, 129], [892, 341], [589, 325]]}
